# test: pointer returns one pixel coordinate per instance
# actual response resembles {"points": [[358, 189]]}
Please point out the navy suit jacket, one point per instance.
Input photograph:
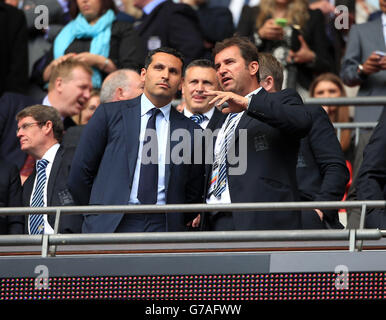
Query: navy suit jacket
{"points": [[321, 169], [273, 134], [371, 181], [58, 193], [105, 160], [176, 25], [10, 196]]}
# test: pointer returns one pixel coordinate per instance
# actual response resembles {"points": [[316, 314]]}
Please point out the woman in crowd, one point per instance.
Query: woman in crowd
{"points": [[93, 102], [294, 34], [328, 85], [97, 38]]}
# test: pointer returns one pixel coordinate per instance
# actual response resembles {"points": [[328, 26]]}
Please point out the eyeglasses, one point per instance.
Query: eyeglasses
{"points": [[27, 125]]}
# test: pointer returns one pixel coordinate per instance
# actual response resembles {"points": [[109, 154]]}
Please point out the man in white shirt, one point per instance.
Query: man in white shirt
{"points": [[199, 77], [255, 153], [40, 131]]}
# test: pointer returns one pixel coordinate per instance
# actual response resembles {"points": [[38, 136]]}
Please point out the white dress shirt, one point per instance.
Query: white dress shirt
{"points": [[225, 196], [162, 128], [50, 157]]}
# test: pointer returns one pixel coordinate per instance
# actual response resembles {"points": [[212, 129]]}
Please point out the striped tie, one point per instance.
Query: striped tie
{"points": [[219, 170], [36, 221], [198, 118]]}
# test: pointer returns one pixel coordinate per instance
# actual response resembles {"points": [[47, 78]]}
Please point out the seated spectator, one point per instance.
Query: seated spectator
{"points": [[363, 66], [68, 91], [328, 85], [95, 37], [298, 39], [321, 169], [120, 85], [13, 50], [168, 24], [89, 109]]}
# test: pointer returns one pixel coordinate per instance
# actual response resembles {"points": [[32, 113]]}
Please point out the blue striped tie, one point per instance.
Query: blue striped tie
{"points": [[198, 118], [36, 221], [219, 181]]}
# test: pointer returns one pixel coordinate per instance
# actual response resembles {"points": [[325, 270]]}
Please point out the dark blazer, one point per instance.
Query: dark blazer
{"points": [[13, 50], [216, 120], [371, 181], [105, 160], [273, 134], [175, 25], [321, 169], [314, 34], [10, 196], [57, 192], [10, 105]]}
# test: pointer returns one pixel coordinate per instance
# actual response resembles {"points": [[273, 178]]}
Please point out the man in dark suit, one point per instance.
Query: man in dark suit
{"points": [[112, 166], [40, 130], [13, 50], [68, 91], [10, 196], [371, 181], [168, 24], [267, 147], [200, 76], [321, 169]]}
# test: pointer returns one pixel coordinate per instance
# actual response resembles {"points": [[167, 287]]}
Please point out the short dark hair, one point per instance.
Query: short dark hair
{"points": [[270, 66], [173, 52], [42, 114], [203, 63], [247, 49], [105, 5]]}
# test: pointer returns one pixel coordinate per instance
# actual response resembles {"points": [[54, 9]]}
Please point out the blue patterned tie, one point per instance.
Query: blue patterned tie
{"points": [[198, 118], [36, 221], [148, 177], [219, 180]]}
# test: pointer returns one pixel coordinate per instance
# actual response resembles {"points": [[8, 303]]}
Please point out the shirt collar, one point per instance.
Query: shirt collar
{"points": [[253, 92], [46, 101], [51, 153], [208, 114], [146, 105], [150, 6]]}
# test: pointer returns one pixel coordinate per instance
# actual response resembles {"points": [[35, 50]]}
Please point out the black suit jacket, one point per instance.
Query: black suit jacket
{"points": [[269, 155], [105, 160], [371, 181], [13, 50], [10, 196], [57, 192], [10, 105], [173, 25], [321, 169]]}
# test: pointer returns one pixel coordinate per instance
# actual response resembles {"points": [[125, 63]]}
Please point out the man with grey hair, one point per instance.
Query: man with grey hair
{"points": [[123, 84]]}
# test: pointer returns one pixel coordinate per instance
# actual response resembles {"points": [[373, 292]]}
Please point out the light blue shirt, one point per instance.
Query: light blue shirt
{"points": [[162, 128], [150, 6]]}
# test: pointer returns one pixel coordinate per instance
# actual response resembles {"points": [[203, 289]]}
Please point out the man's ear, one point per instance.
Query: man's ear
{"points": [[143, 74], [59, 84], [253, 68]]}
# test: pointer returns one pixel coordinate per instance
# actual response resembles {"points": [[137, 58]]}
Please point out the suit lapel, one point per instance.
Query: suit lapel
{"points": [[131, 114], [377, 32], [53, 174], [149, 19], [175, 122]]}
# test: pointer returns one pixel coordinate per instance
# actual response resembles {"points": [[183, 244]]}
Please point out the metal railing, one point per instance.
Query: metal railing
{"points": [[348, 101], [354, 236]]}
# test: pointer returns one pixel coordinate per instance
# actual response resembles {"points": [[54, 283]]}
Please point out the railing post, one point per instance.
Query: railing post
{"points": [[52, 249]]}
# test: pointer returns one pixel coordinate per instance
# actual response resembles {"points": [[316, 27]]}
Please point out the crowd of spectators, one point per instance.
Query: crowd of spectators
{"points": [[323, 50]]}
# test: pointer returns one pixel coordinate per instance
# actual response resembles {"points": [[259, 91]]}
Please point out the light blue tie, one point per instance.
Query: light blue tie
{"points": [[218, 182], [36, 221], [198, 118]]}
